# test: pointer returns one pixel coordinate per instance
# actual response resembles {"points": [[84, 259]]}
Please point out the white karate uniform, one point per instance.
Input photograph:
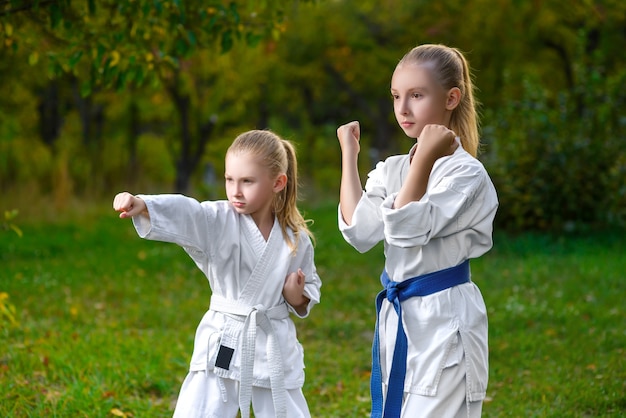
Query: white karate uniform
{"points": [[451, 223], [248, 313]]}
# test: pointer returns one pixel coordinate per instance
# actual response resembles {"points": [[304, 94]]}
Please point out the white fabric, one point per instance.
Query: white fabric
{"points": [[242, 269], [450, 401], [249, 317], [200, 397], [451, 223]]}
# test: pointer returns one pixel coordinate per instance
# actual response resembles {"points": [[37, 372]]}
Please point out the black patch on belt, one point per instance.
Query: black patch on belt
{"points": [[224, 356]]}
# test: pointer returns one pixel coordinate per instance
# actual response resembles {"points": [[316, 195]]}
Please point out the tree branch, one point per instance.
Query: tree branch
{"points": [[25, 7]]}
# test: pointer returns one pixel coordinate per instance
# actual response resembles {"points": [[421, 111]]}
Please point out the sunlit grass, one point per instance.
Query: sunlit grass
{"points": [[105, 322]]}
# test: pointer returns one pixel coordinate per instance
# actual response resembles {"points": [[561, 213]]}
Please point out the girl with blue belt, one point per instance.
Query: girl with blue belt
{"points": [[433, 208]]}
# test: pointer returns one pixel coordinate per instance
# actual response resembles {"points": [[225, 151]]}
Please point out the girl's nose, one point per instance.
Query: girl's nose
{"points": [[403, 108]]}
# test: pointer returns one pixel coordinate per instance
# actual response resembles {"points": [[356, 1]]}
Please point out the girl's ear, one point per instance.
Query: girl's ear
{"points": [[453, 99], [280, 183]]}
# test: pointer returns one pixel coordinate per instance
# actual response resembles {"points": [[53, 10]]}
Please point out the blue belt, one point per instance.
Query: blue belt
{"points": [[397, 292]]}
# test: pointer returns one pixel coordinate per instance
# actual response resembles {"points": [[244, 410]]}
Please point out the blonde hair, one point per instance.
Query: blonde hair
{"points": [[279, 156], [451, 69]]}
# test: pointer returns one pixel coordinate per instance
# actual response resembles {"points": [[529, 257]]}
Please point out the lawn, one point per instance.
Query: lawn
{"points": [[104, 322]]}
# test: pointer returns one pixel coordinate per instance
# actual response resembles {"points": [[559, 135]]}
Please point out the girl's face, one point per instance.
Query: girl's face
{"points": [[250, 187], [418, 99]]}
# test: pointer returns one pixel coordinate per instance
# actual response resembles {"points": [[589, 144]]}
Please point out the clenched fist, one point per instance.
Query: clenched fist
{"points": [[129, 205]]}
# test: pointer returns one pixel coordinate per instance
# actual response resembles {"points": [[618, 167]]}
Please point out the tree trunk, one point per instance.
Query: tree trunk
{"points": [[50, 119], [191, 146]]}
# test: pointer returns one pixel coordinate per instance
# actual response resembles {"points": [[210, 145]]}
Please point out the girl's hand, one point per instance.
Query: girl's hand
{"points": [[349, 136], [129, 205], [293, 291], [436, 141]]}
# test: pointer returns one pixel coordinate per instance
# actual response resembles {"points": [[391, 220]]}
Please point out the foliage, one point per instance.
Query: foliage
{"points": [[114, 43], [7, 223], [7, 312], [163, 94], [129, 44], [551, 135], [107, 321], [565, 168]]}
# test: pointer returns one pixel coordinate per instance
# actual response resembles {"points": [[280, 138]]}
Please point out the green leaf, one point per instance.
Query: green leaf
{"points": [[17, 230], [139, 76], [33, 58], [192, 38], [55, 15], [227, 41], [85, 89], [158, 6], [10, 214], [235, 12], [181, 47], [212, 22], [101, 51], [120, 82], [253, 39], [75, 58]]}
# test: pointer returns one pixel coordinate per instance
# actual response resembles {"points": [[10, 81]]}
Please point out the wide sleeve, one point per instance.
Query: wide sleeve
{"points": [[366, 229], [459, 199], [177, 219], [312, 286]]}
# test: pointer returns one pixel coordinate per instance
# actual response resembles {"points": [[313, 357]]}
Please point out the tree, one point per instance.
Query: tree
{"points": [[106, 44], [121, 42]]}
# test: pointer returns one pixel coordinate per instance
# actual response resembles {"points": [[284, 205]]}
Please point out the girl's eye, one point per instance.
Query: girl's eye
{"points": [[416, 95], [395, 96]]}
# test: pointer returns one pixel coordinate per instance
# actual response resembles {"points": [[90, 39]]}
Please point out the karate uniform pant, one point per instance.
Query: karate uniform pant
{"points": [[208, 396], [450, 401]]}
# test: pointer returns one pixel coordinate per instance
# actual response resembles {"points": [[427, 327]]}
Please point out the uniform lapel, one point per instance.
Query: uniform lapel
{"points": [[267, 250]]}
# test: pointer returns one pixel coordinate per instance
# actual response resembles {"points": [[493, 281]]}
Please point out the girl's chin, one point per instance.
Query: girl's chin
{"points": [[410, 133]]}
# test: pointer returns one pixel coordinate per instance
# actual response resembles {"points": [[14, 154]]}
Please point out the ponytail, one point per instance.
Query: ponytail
{"points": [[464, 120], [286, 201]]}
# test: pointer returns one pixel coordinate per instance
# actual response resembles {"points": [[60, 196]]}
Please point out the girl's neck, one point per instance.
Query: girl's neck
{"points": [[265, 224]]}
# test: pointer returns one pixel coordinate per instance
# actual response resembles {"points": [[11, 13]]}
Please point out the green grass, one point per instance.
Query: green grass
{"points": [[105, 322]]}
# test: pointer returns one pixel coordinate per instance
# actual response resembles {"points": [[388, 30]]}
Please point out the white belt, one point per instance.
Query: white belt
{"points": [[254, 316]]}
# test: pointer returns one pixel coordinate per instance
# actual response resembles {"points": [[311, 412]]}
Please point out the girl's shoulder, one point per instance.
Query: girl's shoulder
{"points": [[218, 205], [394, 160], [390, 166], [220, 211], [463, 158]]}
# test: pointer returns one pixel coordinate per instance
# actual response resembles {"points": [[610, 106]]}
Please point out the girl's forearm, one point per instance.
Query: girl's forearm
{"points": [[414, 188], [350, 192]]}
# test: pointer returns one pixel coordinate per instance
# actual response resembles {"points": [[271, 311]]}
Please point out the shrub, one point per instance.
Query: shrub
{"points": [[557, 160]]}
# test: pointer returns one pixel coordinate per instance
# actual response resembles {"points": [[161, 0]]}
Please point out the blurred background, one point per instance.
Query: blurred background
{"points": [[100, 96]]}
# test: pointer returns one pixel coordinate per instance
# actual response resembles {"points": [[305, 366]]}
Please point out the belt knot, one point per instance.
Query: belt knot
{"points": [[259, 309], [393, 290]]}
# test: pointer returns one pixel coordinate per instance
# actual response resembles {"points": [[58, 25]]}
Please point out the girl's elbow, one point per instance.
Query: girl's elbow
{"points": [[408, 242], [364, 247]]}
